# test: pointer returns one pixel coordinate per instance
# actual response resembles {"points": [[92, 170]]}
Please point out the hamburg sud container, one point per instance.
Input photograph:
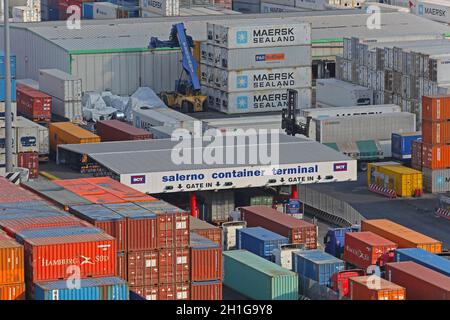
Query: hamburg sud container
{"points": [[402, 236], [115, 130], [103, 218], [260, 241], [316, 265], [11, 261], [297, 231], [421, 283], [69, 133], [108, 288], [204, 229], [33, 104], [340, 280], [206, 290], [424, 258], [402, 143], [142, 268], [206, 259], [406, 182], [374, 288], [363, 249], [258, 278]]}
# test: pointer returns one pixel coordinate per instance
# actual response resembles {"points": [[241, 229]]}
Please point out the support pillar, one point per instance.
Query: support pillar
{"points": [[193, 198]]}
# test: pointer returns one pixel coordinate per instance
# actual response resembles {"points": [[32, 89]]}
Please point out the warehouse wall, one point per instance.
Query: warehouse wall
{"points": [[160, 69]]}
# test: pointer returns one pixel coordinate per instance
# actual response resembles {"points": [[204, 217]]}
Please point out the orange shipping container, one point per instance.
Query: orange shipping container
{"points": [[435, 108], [435, 156], [435, 132], [69, 133], [12, 291], [11, 261], [402, 236], [374, 288]]}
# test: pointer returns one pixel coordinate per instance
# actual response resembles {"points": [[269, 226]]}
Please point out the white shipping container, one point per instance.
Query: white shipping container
{"points": [[436, 181], [440, 68], [262, 58], [433, 10], [229, 233], [263, 79], [3, 140], [146, 117], [13, 110], [3, 163], [267, 7], [322, 113], [245, 7], [283, 254], [232, 36], [342, 94], [60, 84], [162, 7], [104, 10], [311, 4], [27, 136], [25, 14], [71, 110], [43, 137], [29, 82]]}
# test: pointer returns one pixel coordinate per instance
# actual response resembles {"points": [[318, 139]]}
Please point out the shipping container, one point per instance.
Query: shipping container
{"points": [[10, 192], [374, 288], [99, 10], [406, 182], [337, 93], [145, 117], [335, 240], [416, 159], [283, 254], [402, 236], [12, 265], [432, 9], [316, 265], [60, 84], [61, 231], [161, 7], [435, 156], [67, 110], [205, 259], [143, 268], [174, 265], [106, 219], [33, 84], [12, 65], [259, 241], [229, 230], [144, 293], [43, 139], [204, 229], [402, 143], [3, 89], [436, 108], [121, 265], [115, 130], [424, 258], [421, 283], [258, 278], [33, 104], [14, 291], [206, 290], [109, 288], [216, 207], [13, 110], [29, 160], [69, 133], [364, 249], [26, 135], [435, 132], [436, 181], [340, 280], [297, 231]]}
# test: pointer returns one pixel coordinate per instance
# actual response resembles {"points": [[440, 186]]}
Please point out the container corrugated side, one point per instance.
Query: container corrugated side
{"points": [[12, 264], [375, 288], [142, 268], [259, 241], [424, 258], [12, 291], [206, 290], [206, 259], [205, 229], [257, 278], [436, 181]]}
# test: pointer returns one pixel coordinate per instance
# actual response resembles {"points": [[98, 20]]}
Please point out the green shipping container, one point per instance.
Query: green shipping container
{"points": [[258, 278]]}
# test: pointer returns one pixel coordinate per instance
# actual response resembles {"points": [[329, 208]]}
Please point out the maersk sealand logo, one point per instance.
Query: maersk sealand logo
{"points": [[241, 37], [242, 82], [242, 102]]}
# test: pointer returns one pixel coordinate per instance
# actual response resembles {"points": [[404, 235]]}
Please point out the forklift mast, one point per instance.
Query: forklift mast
{"points": [[289, 117]]}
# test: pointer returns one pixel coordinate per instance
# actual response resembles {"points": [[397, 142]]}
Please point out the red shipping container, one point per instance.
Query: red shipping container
{"points": [[63, 6], [435, 156], [205, 229], [174, 265], [174, 291], [29, 160], [435, 108], [375, 288], [115, 130], [363, 249], [147, 293], [421, 283], [33, 104], [121, 265], [207, 290], [12, 291], [435, 132], [143, 268], [416, 155], [9, 192], [298, 231], [206, 259], [340, 280], [172, 224], [49, 258]]}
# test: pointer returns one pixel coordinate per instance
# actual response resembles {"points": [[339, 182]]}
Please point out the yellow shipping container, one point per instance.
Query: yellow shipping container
{"points": [[69, 133], [403, 180]]}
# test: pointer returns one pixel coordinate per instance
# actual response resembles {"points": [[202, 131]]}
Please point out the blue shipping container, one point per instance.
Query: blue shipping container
{"points": [[401, 144], [198, 242], [2, 65], [95, 212], [131, 211], [424, 258], [260, 241], [88, 10], [316, 265], [109, 288], [2, 89], [55, 232], [335, 240]]}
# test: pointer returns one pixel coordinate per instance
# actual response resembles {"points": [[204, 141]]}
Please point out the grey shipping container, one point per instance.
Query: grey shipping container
{"points": [[217, 206], [436, 181], [339, 93], [71, 110], [60, 84]]}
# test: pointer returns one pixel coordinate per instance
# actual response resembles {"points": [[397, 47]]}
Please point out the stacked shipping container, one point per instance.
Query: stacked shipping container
{"points": [[33, 104], [2, 77], [12, 270]]}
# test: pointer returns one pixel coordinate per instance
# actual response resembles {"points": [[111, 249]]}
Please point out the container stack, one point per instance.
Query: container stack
{"points": [[65, 91], [216, 207], [435, 145], [12, 270], [259, 241], [115, 130], [160, 7], [3, 75], [26, 13], [34, 104], [67, 132], [248, 68], [375, 288]]}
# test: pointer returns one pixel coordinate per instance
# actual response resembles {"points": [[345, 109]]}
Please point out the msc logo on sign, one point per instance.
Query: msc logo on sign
{"points": [[242, 102], [138, 179], [340, 166], [420, 9], [242, 82], [241, 37]]}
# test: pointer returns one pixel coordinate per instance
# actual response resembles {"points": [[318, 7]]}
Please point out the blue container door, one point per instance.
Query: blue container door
{"points": [[88, 10], [2, 89]]}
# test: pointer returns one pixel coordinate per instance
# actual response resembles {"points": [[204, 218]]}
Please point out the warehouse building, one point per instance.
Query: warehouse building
{"points": [[113, 54]]}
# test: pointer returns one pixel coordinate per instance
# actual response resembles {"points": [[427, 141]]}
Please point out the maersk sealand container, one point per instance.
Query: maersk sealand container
{"points": [[424, 258], [109, 288], [258, 278]]}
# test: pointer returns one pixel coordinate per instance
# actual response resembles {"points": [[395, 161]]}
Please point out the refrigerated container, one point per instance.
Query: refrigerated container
{"points": [[437, 180], [27, 135], [70, 110], [33, 104], [338, 93], [60, 84]]}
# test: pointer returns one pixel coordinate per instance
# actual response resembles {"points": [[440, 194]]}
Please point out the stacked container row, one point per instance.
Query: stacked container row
{"points": [[3, 75], [12, 269], [115, 130], [33, 104]]}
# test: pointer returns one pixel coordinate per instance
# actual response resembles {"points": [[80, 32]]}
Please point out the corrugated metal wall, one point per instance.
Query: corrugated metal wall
{"points": [[160, 69]]}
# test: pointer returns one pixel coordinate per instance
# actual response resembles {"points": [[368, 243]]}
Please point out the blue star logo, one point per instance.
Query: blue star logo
{"points": [[242, 102], [242, 82], [440, 180], [241, 37]]}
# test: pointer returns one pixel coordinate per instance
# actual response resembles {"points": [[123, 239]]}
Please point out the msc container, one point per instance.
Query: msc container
{"points": [[206, 290], [12, 265], [363, 249], [421, 283], [204, 229], [232, 36], [259, 241], [14, 291], [424, 258], [402, 236], [142, 268], [258, 278], [297, 231], [338, 93], [375, 288], [69, 133], [402, 143], [436, 181], [115, 130], [33, 104], [60, 85], [109, 288], [229, 230], [435, 132], [70, 110], [340, 280], [283, 254], [48, 258], [403, 180], [29, 160], [206, 259], [174, 266], [316, 265], [105, 219], [435, 108], [435, 156]]}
